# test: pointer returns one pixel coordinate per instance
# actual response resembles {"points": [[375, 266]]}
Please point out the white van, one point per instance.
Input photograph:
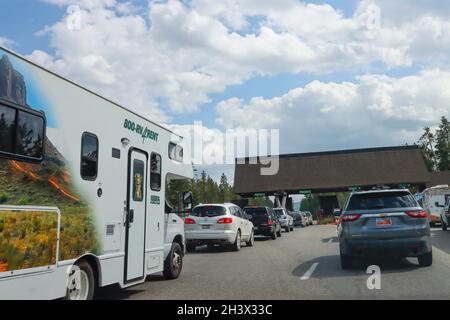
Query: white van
{"points": [[434, 200], [82, 188]]}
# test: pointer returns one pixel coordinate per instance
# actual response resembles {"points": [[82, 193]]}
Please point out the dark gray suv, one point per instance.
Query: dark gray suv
{"points": [[384, 223]]}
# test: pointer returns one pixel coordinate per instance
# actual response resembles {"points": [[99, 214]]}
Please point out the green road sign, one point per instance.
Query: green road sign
{"points": [[305, 192], [260, 195], [354, 189]]}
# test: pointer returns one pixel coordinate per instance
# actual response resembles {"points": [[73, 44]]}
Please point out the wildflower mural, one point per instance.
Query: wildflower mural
{"points": [[28, 239]]}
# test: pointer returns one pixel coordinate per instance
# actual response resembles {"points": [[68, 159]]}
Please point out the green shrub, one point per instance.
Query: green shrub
{"points": [[23, 202], [4, 197]]}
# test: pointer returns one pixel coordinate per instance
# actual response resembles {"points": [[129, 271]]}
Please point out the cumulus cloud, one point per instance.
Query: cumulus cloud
{"points": [[172, 59], [375, 110], [4, 41]]}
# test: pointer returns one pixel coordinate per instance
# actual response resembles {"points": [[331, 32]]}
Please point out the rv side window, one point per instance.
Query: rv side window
{"points": [[89, 156], [7, 126], [29, 141], [155, 172], [21, 134], [175, 152]]}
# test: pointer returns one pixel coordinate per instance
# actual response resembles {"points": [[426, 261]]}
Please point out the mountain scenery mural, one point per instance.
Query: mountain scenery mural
{"points": [[25, 239]]}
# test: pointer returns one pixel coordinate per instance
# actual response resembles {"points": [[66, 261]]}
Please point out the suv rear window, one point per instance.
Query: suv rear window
{"points": [[256, 211], [373, 201], [278, 212], [209, 211]]}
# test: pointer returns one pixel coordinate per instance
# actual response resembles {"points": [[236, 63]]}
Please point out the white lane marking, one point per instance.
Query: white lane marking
{"points": [[309, 273]]}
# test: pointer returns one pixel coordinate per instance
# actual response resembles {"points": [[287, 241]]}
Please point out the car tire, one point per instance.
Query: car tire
{"points": [[174, 263], [426, 260], [279, 233], [236, 246], [273, 236], [444, 226], [292, 228], [190, 247], [287, 229], [251, 241], [84, 290]]}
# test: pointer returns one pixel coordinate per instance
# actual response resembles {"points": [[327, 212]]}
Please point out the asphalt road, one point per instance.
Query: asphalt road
{"points": [[300, 265]]}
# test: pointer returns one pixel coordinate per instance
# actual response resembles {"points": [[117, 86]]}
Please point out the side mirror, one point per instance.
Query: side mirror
{"points": [[188, 199]]}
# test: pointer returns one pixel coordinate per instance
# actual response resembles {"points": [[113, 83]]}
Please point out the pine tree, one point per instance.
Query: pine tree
{"points": [[443, 145], [426, 144]]}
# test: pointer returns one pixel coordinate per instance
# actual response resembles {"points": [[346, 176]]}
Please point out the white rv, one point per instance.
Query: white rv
{"points": [[82, 189], [434, 200]]}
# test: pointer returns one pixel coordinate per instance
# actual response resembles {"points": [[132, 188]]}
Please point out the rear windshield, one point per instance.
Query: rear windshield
{"points": [[279, 212], [372, 201], [209, 211], [256, 211]]}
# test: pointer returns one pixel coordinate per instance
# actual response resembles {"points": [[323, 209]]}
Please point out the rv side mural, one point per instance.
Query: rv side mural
{"points": [[27, 239]]}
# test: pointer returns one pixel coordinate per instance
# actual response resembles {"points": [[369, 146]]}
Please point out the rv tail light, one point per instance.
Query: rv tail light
{"points": [[421, 214], [350, 217], [269, 222], [189, 221], [225, 221]]}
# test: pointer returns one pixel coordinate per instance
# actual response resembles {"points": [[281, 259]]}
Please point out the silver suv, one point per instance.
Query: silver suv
{"points": [[384, 223]]}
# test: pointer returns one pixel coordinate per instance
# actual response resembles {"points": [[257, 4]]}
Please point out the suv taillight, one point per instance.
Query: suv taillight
{"points": [[225, 221], [420, 214], [349, 217], [269, 222], [189, 221]]}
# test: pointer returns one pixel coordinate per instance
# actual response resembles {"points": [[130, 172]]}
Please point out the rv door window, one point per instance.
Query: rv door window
{"points": [[138, 180], [89, 156], [22, 133], [155, 172]]}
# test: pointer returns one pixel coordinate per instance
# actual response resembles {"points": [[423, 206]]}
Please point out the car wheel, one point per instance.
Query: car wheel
{"points": [[287, 229], [273, 236], [173, 263], [251, 241], [81, 284], [279, 233], [292, 228], [190, 247], [426, 260], [237, 244], [444, 226]]}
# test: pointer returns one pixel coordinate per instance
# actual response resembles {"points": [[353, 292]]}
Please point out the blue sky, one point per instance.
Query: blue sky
{"points": [[321, 74]]}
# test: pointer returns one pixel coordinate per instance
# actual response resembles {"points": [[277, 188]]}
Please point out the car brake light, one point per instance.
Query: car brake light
{"points": [[350, 217], [225, 221], [189, 221], [269, 222], [421, 214]]}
